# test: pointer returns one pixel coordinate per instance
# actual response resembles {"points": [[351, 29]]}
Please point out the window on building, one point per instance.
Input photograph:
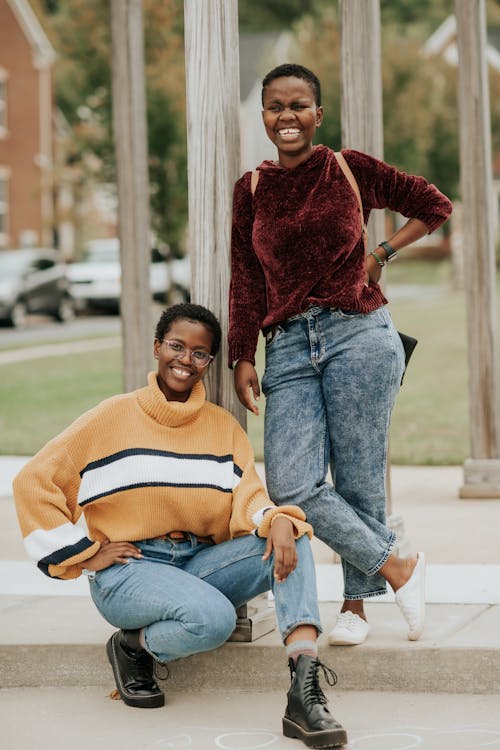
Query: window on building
{"points": [[3, 102], [4, 209]]}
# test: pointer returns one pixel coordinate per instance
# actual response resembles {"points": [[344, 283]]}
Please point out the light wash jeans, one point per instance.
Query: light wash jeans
{"points": [[184, 593], [330, 382]]}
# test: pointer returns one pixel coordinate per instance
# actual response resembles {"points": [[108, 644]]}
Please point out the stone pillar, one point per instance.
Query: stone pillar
{"points": [[130, 135], [482, 469], [362, 124], [213, 96]]}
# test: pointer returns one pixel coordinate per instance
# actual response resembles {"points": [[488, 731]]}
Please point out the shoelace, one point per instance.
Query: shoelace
{"points": [[157, 670], [346, 620], [313, 691]]}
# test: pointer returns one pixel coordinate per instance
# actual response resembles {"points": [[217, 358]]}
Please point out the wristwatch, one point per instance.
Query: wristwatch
{"points": [[390, 252]]}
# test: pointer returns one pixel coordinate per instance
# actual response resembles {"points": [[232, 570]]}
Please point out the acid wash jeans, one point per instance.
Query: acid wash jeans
{"points": [[330, 382], [184, 593]]}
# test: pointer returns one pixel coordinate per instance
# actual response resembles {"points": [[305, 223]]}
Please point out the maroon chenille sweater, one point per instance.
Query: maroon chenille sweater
{"points": [[297, 242]]}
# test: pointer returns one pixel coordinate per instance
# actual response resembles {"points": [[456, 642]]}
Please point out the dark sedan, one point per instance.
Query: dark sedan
{"points": [[33, 280]]}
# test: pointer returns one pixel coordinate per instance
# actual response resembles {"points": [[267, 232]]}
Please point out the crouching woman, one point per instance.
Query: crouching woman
{"points": [[180, 528]]}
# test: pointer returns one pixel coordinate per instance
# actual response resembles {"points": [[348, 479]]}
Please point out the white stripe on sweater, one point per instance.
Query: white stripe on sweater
{"points": [[161, 470], [41, 543]]}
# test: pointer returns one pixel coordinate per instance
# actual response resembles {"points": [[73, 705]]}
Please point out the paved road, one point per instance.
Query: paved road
{"points": [[44, 329], [85, 717]]}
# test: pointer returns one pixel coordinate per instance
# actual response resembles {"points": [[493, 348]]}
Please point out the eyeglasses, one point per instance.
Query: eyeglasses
{"points": [[198, 358]]}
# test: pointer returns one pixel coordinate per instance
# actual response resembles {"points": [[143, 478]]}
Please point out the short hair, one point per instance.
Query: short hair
{"points": [[288, 70], [195, 313]]}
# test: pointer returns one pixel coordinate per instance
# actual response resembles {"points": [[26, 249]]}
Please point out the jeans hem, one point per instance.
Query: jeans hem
{"points": [[385, 557], [289, 630], [366, 595]]}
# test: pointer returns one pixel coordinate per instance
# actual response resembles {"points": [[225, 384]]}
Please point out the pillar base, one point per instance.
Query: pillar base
{"points": [[481, 478], [255, 619]]}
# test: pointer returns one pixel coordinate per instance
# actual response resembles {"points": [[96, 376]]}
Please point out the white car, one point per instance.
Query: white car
{"points": [[96, 281], [180, 280]]}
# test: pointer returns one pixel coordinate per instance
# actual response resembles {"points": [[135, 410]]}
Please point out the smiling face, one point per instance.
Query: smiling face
{"points": [[176, 372], [291, 117]]}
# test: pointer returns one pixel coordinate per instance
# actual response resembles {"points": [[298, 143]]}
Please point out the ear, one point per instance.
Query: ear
{"points": [[156, 349], [319, 116]]}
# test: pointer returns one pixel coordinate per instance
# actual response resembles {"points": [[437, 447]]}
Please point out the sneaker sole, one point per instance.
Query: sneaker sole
{"points": [[136, 701], [344, 642], [322, 739]]}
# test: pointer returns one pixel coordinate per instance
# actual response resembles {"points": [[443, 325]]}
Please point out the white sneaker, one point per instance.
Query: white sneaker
{"points": [[349, 630], [410, 599]]}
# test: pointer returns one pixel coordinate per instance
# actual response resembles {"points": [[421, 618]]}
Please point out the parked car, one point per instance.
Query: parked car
{"points": [[96, 280], [180, 280], [33, 280]]}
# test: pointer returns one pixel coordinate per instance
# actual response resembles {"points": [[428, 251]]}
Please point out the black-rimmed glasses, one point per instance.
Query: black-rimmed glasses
{"points": [[198, 358]]}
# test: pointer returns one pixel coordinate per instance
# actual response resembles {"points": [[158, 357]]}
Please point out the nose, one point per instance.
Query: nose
{"points": [[185, 356]]}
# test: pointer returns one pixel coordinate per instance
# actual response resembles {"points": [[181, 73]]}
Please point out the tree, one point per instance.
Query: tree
{"points": [[80, 33], [420, 94]]}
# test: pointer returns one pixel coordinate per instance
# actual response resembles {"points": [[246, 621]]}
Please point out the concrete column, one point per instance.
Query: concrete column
{"points": [[213, 95], [362, 123], [482, 469], [130, 135]]}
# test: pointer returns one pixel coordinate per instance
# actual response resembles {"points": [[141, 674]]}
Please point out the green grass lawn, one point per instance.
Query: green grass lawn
{"points": [[430, 424], [39, 398]]}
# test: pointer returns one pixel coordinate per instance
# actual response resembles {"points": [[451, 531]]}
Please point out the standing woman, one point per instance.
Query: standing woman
{"points": [[334, 360]]}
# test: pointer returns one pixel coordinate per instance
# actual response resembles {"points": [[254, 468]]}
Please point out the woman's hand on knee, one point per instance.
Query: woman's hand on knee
{"points": [[111, 553], [246, 384], [281, 541]]}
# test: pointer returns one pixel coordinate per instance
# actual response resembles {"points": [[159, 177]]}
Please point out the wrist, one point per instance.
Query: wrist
{"points": [[387, 251]]}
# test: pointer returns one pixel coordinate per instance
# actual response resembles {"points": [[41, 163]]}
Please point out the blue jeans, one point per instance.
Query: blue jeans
{"points": [[184, 593], [330, 383]]}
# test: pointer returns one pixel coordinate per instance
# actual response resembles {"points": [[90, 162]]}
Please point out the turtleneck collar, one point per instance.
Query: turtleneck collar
{"points": [[316, 157], [170, 413]]}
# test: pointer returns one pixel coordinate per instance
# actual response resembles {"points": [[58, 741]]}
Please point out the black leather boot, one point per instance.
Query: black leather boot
{"points": [[133, 670], [307, 716]]}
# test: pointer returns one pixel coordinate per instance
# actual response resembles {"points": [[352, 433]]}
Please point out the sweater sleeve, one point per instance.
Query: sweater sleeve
{"points": [[253, 511], [45, 493], [247, 294], [383, 186]]}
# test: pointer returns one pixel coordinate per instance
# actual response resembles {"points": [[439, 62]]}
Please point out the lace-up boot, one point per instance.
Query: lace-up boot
{"points": [[133, 670], [307, 716]]}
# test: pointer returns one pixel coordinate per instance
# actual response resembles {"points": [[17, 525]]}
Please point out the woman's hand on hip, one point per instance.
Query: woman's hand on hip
{"points": [[246, 384], [373, 271], [281, 541], [112, 553]]}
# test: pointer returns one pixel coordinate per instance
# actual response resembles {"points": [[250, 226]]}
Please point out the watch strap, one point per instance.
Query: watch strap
{"points": [[391, 253]]}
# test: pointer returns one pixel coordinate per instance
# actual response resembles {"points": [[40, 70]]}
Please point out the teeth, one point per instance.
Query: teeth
{"points": [[289, 131], [181, 373]]}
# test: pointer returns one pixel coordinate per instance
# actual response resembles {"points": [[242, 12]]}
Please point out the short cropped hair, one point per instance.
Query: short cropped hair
{"points": [[189, 311], [297, 71]]}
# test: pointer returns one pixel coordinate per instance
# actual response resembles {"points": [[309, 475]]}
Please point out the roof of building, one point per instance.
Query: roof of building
{"points": [[43, 52]]}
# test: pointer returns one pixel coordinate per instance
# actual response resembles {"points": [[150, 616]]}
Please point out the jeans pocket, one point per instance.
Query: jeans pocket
{"points": [[272, 334], [347, 313]]}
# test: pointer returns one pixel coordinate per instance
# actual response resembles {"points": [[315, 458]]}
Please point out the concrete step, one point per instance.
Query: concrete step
{"points": [[59, 641]]}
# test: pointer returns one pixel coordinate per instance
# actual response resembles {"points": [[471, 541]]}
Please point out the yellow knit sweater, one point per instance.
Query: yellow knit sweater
{"points": [[138, 466]]}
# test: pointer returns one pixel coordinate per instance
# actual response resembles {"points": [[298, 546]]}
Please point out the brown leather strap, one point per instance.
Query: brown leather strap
{"points": [[253, 181], [352, 182]]}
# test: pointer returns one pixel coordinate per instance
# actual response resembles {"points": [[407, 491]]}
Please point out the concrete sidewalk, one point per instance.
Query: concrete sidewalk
{"points": [[57, 639]]}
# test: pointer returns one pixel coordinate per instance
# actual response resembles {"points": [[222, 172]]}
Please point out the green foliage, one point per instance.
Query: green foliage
{"points": [[81, 34], [271, 15]]}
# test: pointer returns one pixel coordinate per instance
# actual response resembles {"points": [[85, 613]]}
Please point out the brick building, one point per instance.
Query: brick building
{"points": [[26, 128]]}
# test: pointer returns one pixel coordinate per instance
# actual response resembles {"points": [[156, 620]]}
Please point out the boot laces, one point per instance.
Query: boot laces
{"points": [[313, 691], [161, 670]]}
